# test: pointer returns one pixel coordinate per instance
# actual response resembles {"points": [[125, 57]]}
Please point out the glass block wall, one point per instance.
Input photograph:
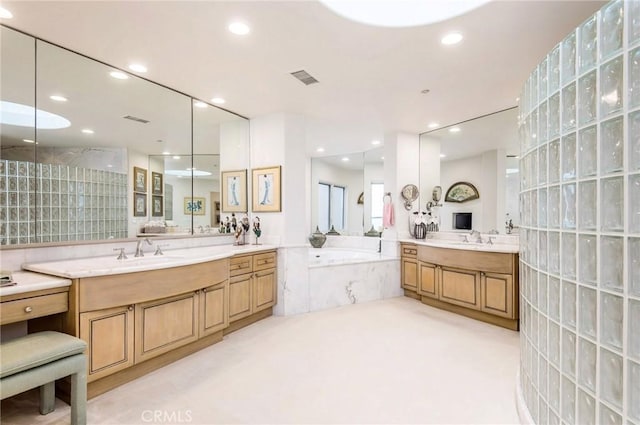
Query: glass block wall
{"points": [[51, 203], [580, 240]]}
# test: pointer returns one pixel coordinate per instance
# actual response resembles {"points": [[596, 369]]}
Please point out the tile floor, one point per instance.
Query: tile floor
{"points": [[390, 361]]}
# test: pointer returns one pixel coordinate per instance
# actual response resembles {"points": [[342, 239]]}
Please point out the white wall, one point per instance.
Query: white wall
{"points": [[279, 139], [401, 168]]}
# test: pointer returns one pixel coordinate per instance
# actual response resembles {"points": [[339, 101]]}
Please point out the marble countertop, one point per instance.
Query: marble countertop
{"points": [[109, 265], [511, 248], [28, 282]]}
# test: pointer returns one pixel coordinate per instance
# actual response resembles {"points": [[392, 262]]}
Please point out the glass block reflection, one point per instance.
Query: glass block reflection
{"points": [[611, 26], [612, 142], [612, 204], [587, 53], [587, 91], [611, 81], [43, 216]]}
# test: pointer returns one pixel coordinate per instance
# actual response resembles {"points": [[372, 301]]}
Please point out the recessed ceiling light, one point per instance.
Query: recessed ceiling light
{"points": [[239, 28], [382, 157], [5, 14], [345, 159], [320, 150], [454, 130], [375, 142], [87, 131], [442, 155], [451, 38], [218, 100], [199, 104], [176, 157], [119, 75], [28, 141], [136, 67], [58, 98], [434, 125]]}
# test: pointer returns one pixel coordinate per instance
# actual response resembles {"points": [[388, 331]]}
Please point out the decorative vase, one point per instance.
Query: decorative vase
{"points": [[317, 238]]}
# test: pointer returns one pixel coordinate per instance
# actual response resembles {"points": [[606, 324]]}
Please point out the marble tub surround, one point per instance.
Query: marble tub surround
{"points": [[110, 265], [303, 287]]}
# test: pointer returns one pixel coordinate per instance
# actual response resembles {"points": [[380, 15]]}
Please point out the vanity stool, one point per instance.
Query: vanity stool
{"points": [[39, 359]]}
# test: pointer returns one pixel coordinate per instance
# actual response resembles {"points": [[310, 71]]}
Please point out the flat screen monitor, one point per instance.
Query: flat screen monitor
{"points": [[462, 221]]}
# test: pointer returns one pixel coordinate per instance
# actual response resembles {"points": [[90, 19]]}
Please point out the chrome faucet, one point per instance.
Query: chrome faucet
{"points": [[139, 252]]}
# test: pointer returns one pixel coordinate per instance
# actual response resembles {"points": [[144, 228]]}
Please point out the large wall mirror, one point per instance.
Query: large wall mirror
{"points": [[347, 192], [89, 152], [482, 152]]}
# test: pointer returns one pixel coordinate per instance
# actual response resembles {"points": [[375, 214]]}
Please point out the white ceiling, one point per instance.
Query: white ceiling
{"points": [[371, 78]]}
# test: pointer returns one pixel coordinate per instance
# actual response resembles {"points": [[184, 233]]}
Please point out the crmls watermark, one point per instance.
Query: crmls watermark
{"points": [[166, 416]]}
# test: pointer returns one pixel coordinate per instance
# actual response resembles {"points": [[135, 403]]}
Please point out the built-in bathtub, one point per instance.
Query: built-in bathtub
{"points": [[340, 256], [342, 276], [321, 278]]}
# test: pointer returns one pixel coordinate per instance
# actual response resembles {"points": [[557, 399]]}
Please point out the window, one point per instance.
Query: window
{"points": [[331, 206], [377, 204]]}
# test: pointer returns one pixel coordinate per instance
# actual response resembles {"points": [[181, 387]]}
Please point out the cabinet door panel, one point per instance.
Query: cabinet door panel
{"points": [[109, 337], [264, 290], [409, 274], [428, 280], [239, 297], [214, 315], [460, 287], [497, 294], [165, 324]]}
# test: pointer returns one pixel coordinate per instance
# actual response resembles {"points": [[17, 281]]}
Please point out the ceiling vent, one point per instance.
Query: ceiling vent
{"points": [[304, 77], [132, 118]]}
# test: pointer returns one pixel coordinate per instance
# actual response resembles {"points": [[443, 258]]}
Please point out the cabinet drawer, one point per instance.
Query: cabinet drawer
{"points": [[29, 308], [240, 265], [264, 261], [493, 262], [409, 251]]}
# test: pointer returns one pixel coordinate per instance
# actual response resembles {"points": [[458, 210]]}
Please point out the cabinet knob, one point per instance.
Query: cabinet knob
{"points": [[130, 308], [28, 309]]}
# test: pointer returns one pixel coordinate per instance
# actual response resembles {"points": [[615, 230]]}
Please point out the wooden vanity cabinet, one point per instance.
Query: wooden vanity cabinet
{"points": [[214, 309], [479, 284], [166, 324], [252, 284], [128, 319], [109, 334], [428, 279], [461, 287], [409, 269]]}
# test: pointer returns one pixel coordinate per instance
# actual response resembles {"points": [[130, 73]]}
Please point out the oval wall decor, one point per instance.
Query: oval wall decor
{"points": [[461, 192]]}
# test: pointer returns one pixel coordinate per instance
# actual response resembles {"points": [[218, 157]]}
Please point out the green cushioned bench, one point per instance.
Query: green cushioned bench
{"points": [[37, 360]]}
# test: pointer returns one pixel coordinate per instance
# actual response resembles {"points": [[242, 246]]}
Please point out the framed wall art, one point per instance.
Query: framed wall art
{"points": [[461, 192], [156, 183], [139, 204], [139, 179], [195, 206], [266, 189], [234, 191], [156, 206]]}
